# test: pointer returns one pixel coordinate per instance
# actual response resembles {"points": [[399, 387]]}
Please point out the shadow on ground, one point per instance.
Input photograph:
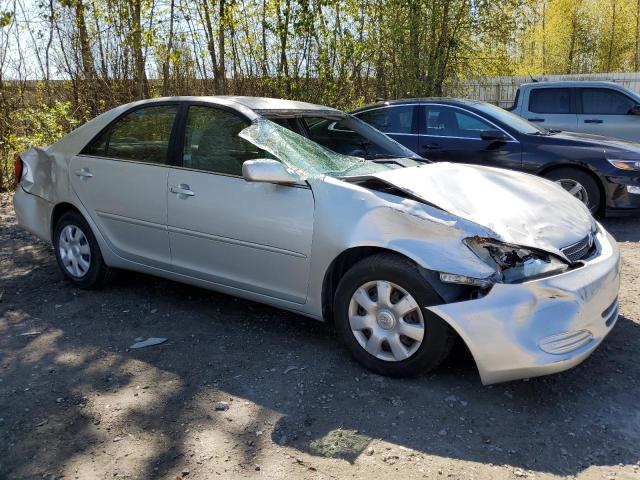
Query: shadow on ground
{"points": [[73, 398]]}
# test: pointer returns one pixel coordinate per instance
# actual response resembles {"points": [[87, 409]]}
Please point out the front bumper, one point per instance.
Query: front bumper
{"points": [[543, 326], [623, 197]]}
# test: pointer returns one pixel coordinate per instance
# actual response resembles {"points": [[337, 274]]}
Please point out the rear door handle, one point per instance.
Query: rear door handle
{"points": [[83, 173], [183, 190], [536, 119], [593, 120], [432, 146]]}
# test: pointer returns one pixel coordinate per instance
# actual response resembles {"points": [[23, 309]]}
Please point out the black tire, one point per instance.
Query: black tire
{"points": [[98, 273], [438, 338], [584, 179]]}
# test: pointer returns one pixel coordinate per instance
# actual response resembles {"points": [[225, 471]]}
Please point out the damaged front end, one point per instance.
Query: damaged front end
{"points": [[528, 279], [513, 263], [544, 316]]}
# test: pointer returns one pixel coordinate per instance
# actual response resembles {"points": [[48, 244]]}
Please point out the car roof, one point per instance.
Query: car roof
{"points": [[409, 101], [251, 107], [259, 105], [573, 83]]}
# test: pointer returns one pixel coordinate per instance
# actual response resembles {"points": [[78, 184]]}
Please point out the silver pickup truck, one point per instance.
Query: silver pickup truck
{"points": [[601, 108]]}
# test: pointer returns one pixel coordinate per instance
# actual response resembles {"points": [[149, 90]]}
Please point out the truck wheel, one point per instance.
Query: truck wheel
{"points": [[579, 184], [381, 316]]}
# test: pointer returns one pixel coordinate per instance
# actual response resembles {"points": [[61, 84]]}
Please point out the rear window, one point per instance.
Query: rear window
{"points": [[550, 100], [393, 119], [141, 135], [515, 102]]}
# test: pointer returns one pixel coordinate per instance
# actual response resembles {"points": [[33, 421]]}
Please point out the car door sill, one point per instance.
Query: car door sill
{"points": [[285, 303]]}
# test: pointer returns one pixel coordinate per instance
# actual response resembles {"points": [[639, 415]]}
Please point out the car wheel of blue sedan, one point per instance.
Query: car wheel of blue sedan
{"points": [[579, 184]]}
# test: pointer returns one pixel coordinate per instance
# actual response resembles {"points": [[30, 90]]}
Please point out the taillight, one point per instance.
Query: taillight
{"points": [[18, 169]]}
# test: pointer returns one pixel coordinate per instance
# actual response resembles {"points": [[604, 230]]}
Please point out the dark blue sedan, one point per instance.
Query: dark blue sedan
{"points": [[604, 173]]}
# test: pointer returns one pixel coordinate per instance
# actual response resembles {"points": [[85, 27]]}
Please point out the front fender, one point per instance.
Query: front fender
{"points": [[348, 216]]}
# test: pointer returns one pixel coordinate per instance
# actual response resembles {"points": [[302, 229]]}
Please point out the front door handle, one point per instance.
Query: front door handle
{"points": [[536, 119], [593, 120], [183, 191], [83, 173]]}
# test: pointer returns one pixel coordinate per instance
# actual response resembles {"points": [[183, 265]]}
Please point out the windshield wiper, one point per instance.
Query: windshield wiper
{"points": [[375, 156]]}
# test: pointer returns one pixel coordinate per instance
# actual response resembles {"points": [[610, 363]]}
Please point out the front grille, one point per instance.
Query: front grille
{"points": [[580, 249]]}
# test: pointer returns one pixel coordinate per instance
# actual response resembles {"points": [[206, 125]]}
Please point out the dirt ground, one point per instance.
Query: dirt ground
{"points": [[76, 402]]}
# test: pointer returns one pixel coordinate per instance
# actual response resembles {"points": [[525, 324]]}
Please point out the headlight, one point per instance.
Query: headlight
{"points": [[514, 263], [625, 164]]}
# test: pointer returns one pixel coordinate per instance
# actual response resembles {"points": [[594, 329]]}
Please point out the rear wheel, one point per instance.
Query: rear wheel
{"points": [[381, 316], [78, 253], [579, 184]]}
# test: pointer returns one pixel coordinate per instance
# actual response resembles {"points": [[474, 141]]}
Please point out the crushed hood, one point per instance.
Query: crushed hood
{"points": [[520, 208]]}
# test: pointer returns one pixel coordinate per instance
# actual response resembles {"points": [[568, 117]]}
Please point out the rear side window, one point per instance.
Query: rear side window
{"points": [[550, 100], [142, 135], [393, 119], [212, 143], [604, 101]]}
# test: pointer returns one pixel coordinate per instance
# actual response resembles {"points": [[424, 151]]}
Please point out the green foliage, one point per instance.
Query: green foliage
{"points": [[40, 125], [5, 19], [343, 53], [32, 126]]}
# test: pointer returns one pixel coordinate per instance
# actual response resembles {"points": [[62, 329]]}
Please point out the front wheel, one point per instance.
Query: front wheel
{"points": [[579, 184], [78, 253], [381, 316]]}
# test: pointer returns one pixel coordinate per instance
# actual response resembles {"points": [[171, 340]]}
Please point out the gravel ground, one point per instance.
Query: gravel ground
{"points": [[243, 390]]}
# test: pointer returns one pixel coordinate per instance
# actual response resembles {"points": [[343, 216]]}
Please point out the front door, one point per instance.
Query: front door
{"points": [[251, 236], [608, 112], [121, 179], [452, 134]]}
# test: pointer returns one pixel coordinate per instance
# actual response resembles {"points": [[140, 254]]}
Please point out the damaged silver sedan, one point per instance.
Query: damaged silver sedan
{"points": [[250, 197]]}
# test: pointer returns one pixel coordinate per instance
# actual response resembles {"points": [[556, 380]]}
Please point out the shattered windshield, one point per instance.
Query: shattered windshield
{"points": [[307, 158]]}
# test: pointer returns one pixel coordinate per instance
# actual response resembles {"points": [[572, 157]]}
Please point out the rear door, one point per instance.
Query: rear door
{"points": [[250, 236], [552, 108], [121, 179], [397, 121], [452, 134], [605, 111]]}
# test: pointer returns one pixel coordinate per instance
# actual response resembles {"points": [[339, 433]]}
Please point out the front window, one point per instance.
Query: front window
{"points": [[348, 135], [336, 136], [310, 159], [212, 143], [604, 101], [514, 121], [445, 121]]}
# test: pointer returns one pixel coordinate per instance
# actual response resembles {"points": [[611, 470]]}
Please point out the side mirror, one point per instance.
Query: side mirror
{"points": [[635, 110], [267, 171], [493, 135]]}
